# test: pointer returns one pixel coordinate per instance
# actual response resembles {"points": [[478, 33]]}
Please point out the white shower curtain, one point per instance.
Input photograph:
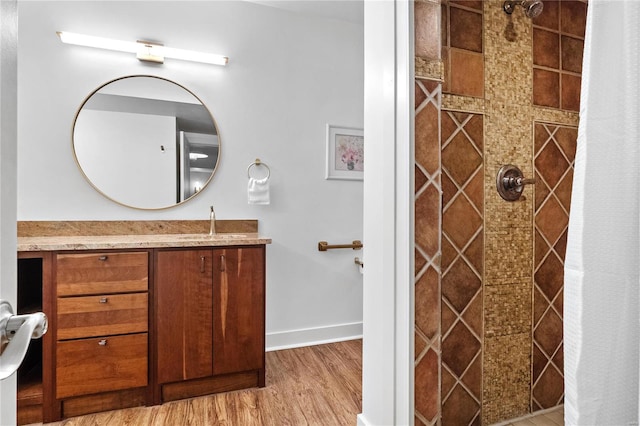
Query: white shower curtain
{"points": [[601, 314]]}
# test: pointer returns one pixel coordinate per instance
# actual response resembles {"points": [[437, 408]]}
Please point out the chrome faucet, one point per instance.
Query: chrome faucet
{"points": [[212, 226]]}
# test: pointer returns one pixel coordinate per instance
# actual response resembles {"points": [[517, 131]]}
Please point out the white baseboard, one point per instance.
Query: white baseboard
{"points": [[313, 336]]}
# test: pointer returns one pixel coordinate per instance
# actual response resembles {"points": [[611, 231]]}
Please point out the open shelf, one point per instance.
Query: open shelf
{"points": [[30, 387], [30, 393]]}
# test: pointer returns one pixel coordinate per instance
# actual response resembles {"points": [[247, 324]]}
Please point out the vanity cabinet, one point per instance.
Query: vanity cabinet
{"points": [[139, 319], [210, 319], [101, 325]]}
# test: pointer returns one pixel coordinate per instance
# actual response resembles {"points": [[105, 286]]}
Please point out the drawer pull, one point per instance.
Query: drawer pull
{"points": [[202, 261], [103, 258], [103, 342], [104, 299]]}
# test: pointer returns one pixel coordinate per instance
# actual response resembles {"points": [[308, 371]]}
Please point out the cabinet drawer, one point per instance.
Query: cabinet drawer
{"points": [[101, 315], [99, 365], [98, 273]]}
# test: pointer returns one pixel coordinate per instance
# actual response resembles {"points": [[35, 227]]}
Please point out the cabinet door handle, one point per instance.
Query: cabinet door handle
{"points": [[104, 299], [103, 258], [223, 263], [202, 264], [103, 342]]}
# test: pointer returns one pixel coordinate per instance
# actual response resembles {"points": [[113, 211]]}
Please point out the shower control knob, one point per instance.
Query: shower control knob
{"points": [[514, 182], [510, 182]]}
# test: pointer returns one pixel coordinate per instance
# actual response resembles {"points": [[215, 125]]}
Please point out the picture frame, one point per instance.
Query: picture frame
{"points": [[345, 153]]}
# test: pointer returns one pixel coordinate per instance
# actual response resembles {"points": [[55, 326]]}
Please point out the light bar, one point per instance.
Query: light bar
{"points": [[145, 51]]}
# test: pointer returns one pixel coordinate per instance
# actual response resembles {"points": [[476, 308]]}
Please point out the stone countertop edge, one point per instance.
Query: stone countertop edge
{"points": [[107, 242]]}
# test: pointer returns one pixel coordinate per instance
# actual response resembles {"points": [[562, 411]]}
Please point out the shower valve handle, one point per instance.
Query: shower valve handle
{"points": [[523, 181], [514, 182], [510, 182]]}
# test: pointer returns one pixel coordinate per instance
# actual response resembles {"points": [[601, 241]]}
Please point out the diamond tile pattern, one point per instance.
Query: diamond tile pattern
{"points": [[460, 284], [555, 148], [462, 267], [462, 157], [428, 252], [461, 232], [459, 349]]}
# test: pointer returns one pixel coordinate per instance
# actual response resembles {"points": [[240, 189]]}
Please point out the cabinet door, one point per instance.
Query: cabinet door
{"points": [[184, 314], [238, 309]]}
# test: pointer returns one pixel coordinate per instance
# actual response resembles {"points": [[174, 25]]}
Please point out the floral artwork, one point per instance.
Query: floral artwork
{"points": [[349, 153], [345, 153]]}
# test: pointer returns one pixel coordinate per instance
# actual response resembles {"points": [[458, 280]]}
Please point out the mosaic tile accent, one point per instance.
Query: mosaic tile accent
{"points": [[508, 276], [555, 116], [462, 266], [507, 387], [463, 103], [429, 69], [427, 252], [558, 42], [555, 148]]}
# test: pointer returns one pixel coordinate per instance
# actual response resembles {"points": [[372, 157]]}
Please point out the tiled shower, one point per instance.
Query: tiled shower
{"points": [[492, 89]]}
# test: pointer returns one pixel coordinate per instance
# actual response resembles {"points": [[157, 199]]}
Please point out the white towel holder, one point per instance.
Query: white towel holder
{"points": [[258, 163]]}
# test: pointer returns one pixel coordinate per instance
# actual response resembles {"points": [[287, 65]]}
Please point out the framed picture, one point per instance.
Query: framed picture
{"points": [[345, 153]]}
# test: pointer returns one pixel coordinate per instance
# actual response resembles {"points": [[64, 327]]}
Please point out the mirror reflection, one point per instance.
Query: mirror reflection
{"points": [[146, 142]]}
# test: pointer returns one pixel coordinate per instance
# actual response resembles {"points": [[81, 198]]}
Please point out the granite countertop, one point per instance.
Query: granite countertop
{"points": [[103, 242]]}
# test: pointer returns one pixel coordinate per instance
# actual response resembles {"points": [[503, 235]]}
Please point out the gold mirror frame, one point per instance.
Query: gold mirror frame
{"points": [[205, 133]]}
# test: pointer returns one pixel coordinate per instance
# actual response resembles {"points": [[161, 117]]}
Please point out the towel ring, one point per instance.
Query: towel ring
{"points": [[258, 163]]}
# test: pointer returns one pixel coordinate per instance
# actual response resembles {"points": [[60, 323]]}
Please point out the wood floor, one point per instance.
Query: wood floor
{"points": [[315, 385]]}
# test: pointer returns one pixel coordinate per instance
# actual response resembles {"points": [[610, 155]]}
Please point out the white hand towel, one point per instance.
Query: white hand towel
{"points": [[258, 191]]}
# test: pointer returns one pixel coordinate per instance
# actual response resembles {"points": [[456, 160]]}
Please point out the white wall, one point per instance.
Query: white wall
{"points": [[288, 76]]}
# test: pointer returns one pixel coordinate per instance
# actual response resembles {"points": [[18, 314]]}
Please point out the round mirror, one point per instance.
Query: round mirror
{"points": [[146, 142]]}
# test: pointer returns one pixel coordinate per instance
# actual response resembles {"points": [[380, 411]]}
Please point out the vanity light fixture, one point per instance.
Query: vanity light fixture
{"points": [[144, 50]]}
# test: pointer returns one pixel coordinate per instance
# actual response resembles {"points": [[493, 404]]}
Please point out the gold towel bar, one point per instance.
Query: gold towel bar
{"points": [[324, 246]]}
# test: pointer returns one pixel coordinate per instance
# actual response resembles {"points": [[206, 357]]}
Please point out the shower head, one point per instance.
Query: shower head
{"points": [[532, 8]]}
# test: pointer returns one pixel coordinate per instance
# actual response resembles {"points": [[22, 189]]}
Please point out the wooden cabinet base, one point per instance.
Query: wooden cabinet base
{"points": [[29, 403], [29, 414], [104, 402], [210, 385]]}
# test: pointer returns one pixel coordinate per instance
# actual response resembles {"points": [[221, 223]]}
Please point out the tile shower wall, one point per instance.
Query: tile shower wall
{"points": [[462, 266], [428, 93], [500, 271], [428, 252], [558, 42], [555, 148]]}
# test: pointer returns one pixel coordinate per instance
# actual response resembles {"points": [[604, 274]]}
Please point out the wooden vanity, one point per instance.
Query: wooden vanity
{"points": [[139, 318]]}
